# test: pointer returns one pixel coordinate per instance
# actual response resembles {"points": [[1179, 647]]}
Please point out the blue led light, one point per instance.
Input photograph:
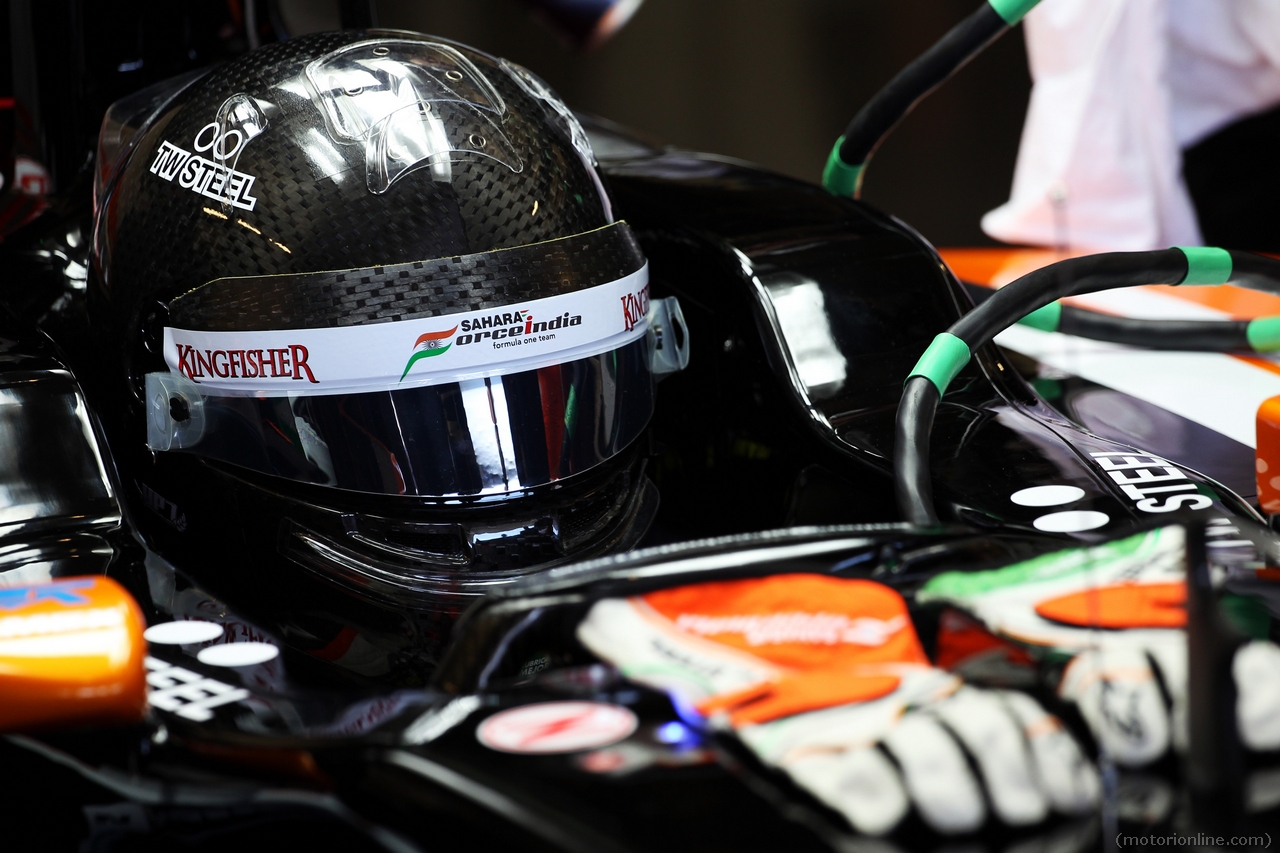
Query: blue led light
{"points": [[686, 712], [854, 561], [673, 732]]}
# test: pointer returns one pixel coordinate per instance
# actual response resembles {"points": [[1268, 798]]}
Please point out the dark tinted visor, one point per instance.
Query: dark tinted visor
{"points": [[468, 375], [478, 436]]}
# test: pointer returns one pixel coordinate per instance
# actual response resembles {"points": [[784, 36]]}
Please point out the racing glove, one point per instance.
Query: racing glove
{"points": [[825, 679], [1116, 613]]}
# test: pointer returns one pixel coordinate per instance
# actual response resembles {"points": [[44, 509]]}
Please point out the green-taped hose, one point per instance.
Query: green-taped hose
{"points": [[839, 177], [1206, 265], [1045, 319], [944, 358], [1012, 10], [1264, 334]]}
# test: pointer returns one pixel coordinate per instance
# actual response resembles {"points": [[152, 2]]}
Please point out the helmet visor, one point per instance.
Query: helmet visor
{"points": [[468, 375], [487, 435]]}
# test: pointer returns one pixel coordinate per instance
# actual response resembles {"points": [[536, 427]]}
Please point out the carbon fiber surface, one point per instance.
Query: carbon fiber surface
{"points": [[311, 208], [409, 291]]}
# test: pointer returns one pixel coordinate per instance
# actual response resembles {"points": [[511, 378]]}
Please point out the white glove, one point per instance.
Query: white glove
{"points": [[1118, 610], [821, 677]]}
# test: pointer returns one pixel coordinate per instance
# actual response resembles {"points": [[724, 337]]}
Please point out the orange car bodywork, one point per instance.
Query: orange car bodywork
{"points": [[71, 652], [1268, 455]]}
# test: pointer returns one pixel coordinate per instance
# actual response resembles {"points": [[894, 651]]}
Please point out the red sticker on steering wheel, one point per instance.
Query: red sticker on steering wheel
{"points": [[552, 727]]}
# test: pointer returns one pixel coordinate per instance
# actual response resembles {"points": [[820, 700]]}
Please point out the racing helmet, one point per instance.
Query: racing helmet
{"points": [[373, 316]]}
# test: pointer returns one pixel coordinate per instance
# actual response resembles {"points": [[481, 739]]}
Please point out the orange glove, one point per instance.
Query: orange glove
{"points": [[824, 678], [1118, 609], [828, 639]]}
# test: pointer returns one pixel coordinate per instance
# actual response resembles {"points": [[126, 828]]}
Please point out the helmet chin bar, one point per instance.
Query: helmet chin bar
{"points": [[445, 558]]}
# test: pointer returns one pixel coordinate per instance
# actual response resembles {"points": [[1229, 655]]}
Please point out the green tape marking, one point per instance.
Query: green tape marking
{"points": [[1046, 319], [1206, 265], [1264, 334], [839, 177], [944, 358], [1012, 10], [1046, 569]]}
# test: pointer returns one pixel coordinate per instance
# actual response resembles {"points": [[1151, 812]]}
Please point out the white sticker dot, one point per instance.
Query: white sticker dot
{"points": [[1275, 482], [1047, 495], [1261, 465], [237, 654], [1071, 521], [181, 633]]}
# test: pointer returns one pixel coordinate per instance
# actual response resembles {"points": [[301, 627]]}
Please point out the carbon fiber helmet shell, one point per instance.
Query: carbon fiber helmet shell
{"points": [[318, 216], [312, 208]]}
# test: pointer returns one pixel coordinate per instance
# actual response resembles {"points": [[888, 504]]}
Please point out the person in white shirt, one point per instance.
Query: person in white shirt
{"points": [[1131, 141]]}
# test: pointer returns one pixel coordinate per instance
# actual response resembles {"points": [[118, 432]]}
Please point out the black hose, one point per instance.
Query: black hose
{"points": [[912, 484], [1184, 335], [950, 350], [1181, 335], [912, 84], [1255, 272], [1071, 277]]}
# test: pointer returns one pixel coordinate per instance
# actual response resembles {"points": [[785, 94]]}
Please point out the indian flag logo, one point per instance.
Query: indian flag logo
{"points": [[428, 345]]}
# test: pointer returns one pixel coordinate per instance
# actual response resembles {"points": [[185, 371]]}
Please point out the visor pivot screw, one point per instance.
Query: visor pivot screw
{"points": [[455, 76], [353, 90], [381, 51], [476, 140]]}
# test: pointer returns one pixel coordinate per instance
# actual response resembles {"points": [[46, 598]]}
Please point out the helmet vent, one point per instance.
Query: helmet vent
{"points": [[412, 104]]}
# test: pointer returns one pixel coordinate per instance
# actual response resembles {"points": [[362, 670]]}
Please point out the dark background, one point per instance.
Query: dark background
{"points": [[775, 82], [770, 81]]}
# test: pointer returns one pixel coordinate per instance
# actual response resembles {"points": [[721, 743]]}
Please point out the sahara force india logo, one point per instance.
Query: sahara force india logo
{"points": [[211, 178], [520, 327], [503, 329]]}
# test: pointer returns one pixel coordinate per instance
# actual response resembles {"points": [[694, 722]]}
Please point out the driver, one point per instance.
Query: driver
{"points": [[366, 318]]}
